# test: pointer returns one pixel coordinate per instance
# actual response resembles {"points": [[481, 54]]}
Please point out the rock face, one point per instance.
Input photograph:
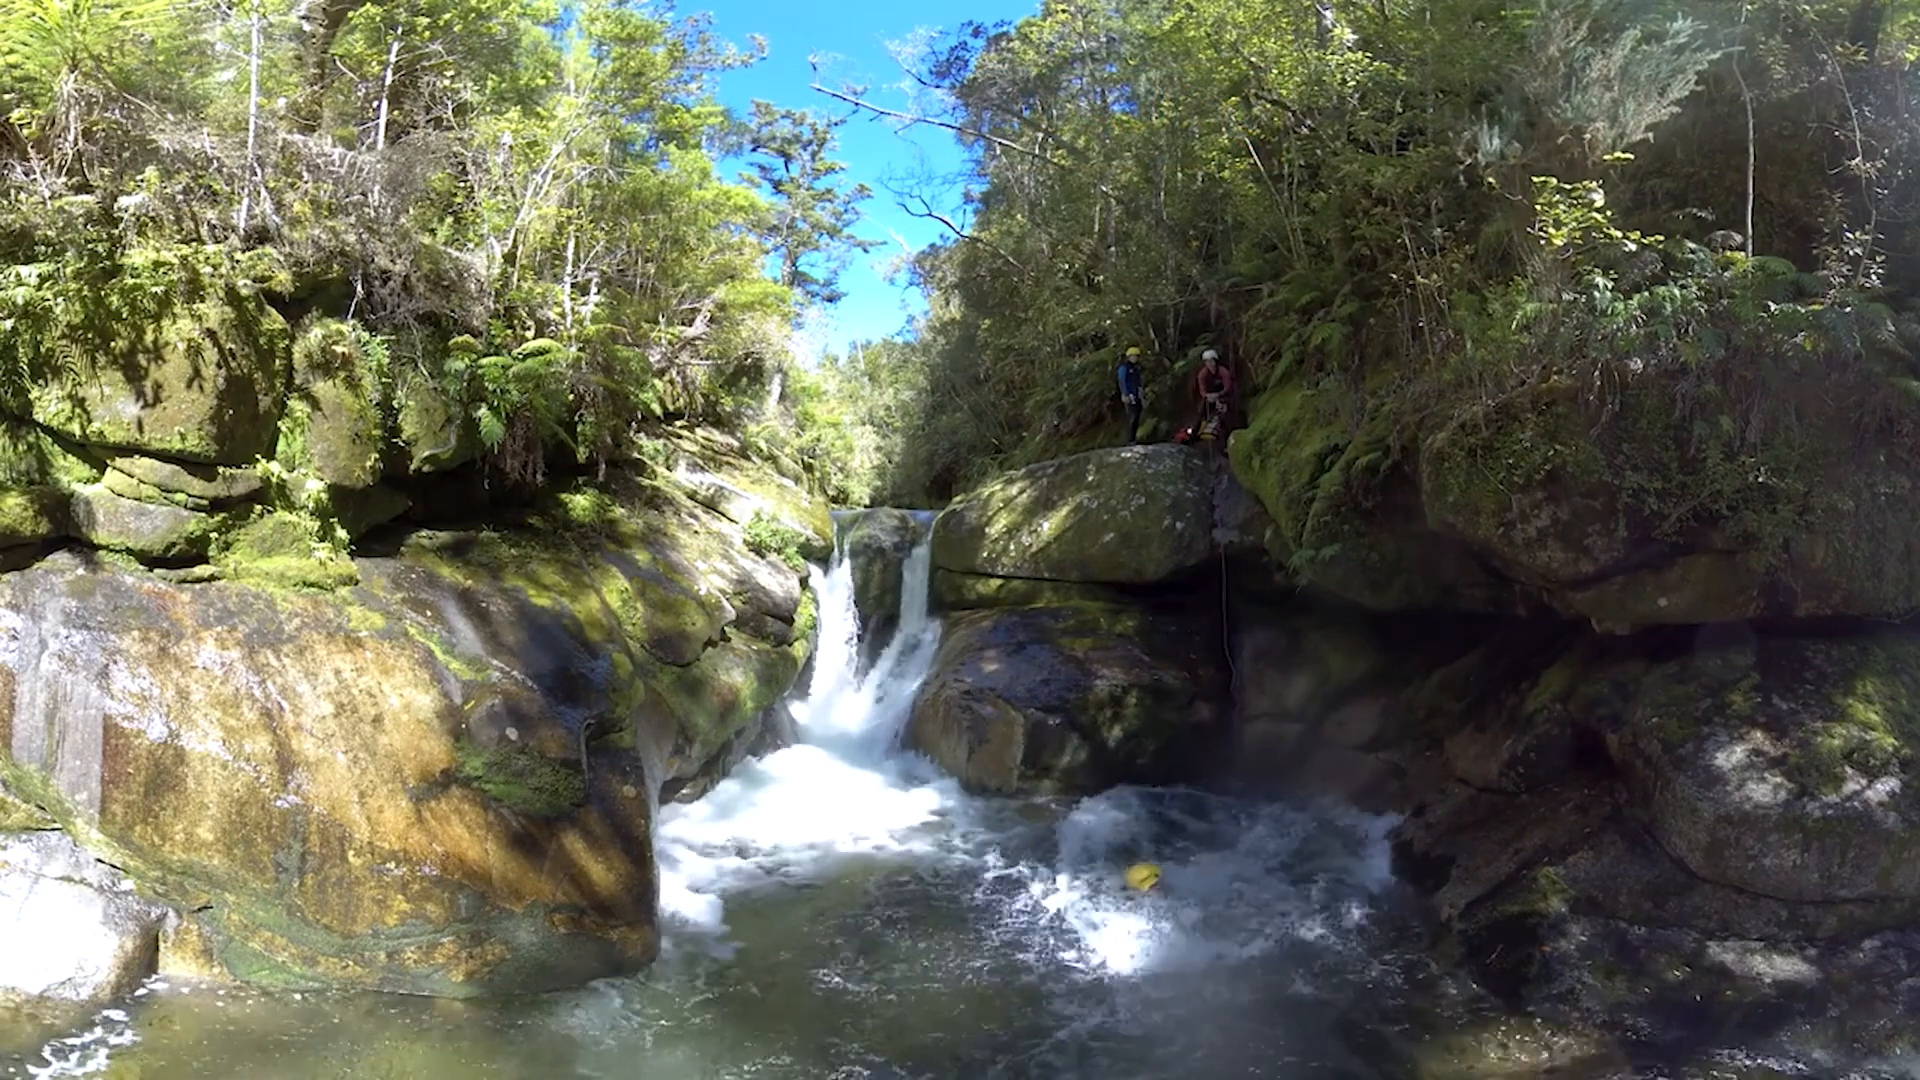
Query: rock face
{"points": [[76, 930], [1619, 509], [1070, 699], [437, 782], [878, 543], [1720, 816], [1785, 766], [199, 380], [1132, 515], [1083, 646]]}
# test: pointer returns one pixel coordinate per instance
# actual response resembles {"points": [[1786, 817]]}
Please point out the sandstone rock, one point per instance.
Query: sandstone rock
{"points": [[1130, 515], [75, 929], [212, 485], [1785, 766], [718, 472], [437, 783], [1068, 699]]}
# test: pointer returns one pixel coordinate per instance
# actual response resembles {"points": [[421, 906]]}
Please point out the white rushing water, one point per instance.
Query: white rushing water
{"points": [[1240, 879], [843, 788]]}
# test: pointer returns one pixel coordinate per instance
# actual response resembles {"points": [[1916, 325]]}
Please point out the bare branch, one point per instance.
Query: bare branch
{"points": [[958, 129]]}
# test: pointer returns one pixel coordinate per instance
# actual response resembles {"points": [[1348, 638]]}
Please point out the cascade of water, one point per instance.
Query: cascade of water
{"points": [[841, 789]]}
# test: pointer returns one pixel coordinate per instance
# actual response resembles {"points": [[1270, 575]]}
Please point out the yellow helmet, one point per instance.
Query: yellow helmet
{"points": [[1143, 876], [1133, 350]]}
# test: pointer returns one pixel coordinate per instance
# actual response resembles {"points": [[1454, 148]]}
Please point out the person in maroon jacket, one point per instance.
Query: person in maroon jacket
{"points": [[1213, 386]]}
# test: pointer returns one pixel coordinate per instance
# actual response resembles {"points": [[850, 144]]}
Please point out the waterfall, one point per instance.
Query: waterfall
{"points": [[842, 789]]}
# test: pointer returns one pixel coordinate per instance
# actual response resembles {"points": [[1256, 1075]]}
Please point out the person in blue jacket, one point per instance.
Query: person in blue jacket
{"points": [[1129, 373]]}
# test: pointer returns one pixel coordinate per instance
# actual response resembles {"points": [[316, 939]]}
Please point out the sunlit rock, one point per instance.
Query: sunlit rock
{"points": [[1129, 515]]}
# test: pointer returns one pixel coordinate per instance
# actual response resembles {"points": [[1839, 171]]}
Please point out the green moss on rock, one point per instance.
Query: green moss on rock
{"points": [[179, 357], [522, 780], [31, 516], [283, 549]]}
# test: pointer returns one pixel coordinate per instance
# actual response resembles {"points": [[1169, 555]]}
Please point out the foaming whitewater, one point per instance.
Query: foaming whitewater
{"points": [[1241, 879], [842, 790]]}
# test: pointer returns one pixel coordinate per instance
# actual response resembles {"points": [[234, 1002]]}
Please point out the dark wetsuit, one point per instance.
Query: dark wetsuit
{"points": [[1129, 373]]}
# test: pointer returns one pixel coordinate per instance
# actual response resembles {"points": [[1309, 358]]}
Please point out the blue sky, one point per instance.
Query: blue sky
{"points": [[851, 39]]}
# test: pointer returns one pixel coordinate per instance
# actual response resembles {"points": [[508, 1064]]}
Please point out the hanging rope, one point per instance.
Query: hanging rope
{"points": [[1220, 547]]}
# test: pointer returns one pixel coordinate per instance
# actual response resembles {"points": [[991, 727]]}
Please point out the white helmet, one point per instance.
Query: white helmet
{"points": [[1209, 355]]}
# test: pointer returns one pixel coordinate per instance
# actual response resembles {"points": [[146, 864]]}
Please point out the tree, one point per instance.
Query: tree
{"points": [[810, 226]]}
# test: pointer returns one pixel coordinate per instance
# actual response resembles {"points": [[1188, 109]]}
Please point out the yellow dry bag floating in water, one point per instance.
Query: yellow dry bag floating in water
{"points": [[1143, 876]]}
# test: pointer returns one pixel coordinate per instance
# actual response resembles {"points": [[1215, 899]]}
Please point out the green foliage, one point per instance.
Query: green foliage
{"points": [[1446, 201], [768, 536], [536, 184]]}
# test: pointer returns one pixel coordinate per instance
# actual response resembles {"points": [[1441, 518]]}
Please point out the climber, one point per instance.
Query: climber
{"points": [[1213, 385], [1129, 373]]}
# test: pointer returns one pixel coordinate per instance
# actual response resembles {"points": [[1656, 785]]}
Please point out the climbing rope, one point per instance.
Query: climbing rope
{"points": [[1220, 547]]}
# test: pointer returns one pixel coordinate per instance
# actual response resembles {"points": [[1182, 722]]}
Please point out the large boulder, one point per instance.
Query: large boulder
{"points": [[194, 371], [439, 782], [332, 430], [877, 545], [1071, 699], [1131, 515], [76, 931], [1786, 767]]}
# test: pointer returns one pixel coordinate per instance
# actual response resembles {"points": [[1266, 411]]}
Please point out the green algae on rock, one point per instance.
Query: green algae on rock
{"points": [[1785, 766], [1130, 515]]}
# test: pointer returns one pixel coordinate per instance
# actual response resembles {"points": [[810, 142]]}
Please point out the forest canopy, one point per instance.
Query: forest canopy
{"points": [[517, 200], [1403, 195]]}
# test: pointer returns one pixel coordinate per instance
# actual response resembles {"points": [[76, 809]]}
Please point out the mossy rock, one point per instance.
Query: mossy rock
{"points": [[17, 816], [203, 485], [1070, 699], [967, 592], [315, 739], [282, 549], [522, 780], [361, 510], [196, 375], [32, 457], [1785, 766], [1327, 465], [32, 516], [1130, 515], [333, 433], [877, 543], [144, 530], [436, 431], [717, 472]]}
